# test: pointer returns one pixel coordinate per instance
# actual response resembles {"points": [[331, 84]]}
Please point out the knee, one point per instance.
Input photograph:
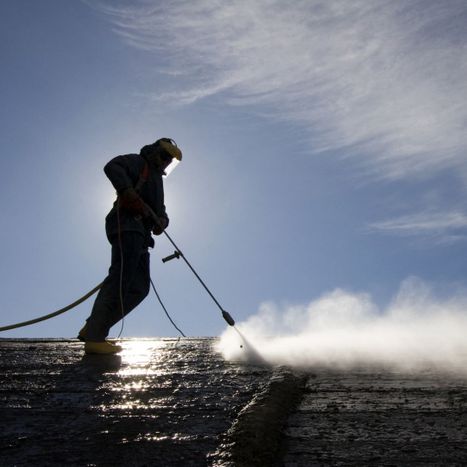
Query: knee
{"points": [[145, 290]]}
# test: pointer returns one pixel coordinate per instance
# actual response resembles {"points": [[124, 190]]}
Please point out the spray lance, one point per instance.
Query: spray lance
{"points": [[178, 254]]}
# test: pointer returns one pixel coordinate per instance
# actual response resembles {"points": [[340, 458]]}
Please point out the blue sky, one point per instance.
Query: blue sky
{"points": [[325, 147]]}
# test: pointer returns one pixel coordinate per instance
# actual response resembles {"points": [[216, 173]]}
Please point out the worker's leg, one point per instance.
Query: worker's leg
{"points": [[107, 307], [137, 289]]}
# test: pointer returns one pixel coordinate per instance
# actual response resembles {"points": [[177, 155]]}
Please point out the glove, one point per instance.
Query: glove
{"points": [[160, 226], [132, 202]]}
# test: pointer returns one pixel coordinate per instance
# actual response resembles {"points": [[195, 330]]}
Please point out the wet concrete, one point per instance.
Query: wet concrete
{"points": [[256, 437], [160, 403], [165, 402], [376, 417]]}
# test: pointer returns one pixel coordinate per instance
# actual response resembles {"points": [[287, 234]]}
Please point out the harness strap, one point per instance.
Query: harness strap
{"points": [[143, 177]]}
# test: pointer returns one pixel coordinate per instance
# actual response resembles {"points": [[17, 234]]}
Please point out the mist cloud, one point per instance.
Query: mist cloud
{"points": [[344, 330]]}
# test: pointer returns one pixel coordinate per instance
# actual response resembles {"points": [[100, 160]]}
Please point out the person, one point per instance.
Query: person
{"points": [[138, 211]]}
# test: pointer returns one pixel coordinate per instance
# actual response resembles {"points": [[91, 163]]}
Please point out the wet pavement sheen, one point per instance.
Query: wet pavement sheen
{"points": [[379, 417], [169, 402], [160, 402]]}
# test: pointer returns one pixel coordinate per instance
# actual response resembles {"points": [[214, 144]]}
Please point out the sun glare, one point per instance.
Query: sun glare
{"points": [[137, 354]]}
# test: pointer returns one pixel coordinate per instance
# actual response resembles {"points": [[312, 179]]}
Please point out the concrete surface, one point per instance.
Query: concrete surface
{"points": [[160, 403], [169, 402], [375, 417]]}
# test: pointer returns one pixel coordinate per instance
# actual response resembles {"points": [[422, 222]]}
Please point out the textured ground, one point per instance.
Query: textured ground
{"points": [[160, 403], [374, 417], [164, 402]]}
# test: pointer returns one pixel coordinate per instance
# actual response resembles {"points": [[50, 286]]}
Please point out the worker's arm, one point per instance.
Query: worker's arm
{"points": [[123, 172]]}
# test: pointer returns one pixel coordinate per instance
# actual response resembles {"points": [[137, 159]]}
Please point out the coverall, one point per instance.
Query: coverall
{"points": [[130, 237]]}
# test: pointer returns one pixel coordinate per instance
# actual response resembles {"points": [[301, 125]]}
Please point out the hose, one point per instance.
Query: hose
{"points": [[165, 310], [178, 254], [55, 313], [120, 280], [225, 314]]}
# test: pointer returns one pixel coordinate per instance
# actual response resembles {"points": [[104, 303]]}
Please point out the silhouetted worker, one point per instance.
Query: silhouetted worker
{"points": [[138, 181]]}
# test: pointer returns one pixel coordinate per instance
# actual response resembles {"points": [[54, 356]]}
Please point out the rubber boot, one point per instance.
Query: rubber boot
{"points": [[82, 333], [104, 348]]}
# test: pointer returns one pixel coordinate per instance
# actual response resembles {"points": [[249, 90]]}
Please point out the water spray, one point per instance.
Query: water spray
{"points": [[245, 345], [252, 353]]}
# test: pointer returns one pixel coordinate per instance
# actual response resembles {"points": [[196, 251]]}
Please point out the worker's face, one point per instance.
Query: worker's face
{"points": [[161, 159], [167, 163]]}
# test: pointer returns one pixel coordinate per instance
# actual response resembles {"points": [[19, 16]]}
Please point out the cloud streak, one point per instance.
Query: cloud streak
{"points": [[443, 227], [382, 82]]}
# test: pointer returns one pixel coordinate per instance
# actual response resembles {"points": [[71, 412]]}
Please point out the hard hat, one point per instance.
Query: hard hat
{"points": [[164, 146], [170, 146]]}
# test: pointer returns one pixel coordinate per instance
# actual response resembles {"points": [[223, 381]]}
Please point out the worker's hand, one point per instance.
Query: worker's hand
{"points": [[132, 202], [160, 226], [129, 194]]}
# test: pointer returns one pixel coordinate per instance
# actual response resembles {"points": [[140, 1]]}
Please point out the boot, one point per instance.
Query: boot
{"points": [[103, 347], [82, 333]]}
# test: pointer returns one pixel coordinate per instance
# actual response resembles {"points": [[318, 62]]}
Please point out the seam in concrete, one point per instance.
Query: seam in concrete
{"points": [[255, 438]]}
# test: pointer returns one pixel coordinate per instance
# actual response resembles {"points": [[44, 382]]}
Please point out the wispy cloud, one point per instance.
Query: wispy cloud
{"points": [[443, 227], [383, 82]]}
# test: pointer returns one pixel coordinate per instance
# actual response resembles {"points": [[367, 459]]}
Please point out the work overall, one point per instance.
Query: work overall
{"points": [[128, 280]]}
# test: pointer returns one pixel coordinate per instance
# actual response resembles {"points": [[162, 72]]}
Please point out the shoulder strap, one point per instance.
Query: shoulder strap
{"points": [[143, 177]]}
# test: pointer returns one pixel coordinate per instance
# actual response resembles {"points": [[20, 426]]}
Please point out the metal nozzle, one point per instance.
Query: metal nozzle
{"points": [[228, 318]]}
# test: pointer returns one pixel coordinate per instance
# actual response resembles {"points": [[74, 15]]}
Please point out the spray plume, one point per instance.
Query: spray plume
{"points": [[344, 330]]}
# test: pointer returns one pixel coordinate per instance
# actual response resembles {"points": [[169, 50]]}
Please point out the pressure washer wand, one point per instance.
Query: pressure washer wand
{"points": [[178, 254]]}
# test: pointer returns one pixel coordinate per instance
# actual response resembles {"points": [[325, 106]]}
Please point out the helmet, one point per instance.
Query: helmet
{"points": [[165, 147], [170, 146]]}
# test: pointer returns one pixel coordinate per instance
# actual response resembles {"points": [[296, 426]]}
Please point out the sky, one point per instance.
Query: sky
{"points": [[325, 153]]}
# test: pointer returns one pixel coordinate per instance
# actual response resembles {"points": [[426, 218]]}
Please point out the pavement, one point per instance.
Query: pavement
{"points": [[371, 416], [170, 402]]}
